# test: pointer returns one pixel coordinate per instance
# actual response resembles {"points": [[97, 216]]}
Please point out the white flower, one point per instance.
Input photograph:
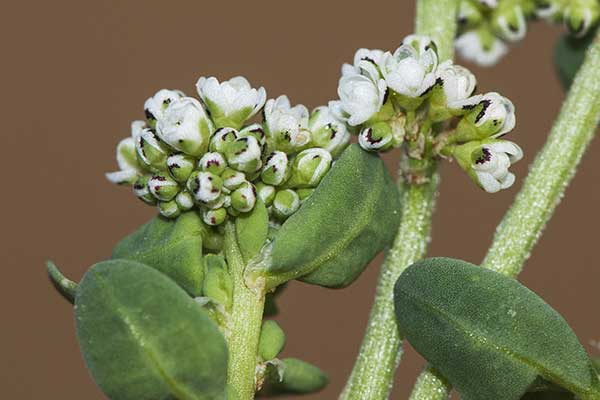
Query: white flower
{"points": [[232, 102], [409, 71], [328, 132], [491, 115], [371, 56], [185, 126], [512, 23], [361, 97], [421, 43], [286, 125], [471, 47], [157, 104], [458, 82], [491, 167], [129, 167]]}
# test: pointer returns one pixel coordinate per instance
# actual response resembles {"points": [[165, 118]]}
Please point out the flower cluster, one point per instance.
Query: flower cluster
{"points": [[485, 26], [408, 99], [206, 155]]}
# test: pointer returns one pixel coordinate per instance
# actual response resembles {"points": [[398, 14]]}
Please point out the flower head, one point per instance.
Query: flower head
{"points": [[287, 126], [185, 126], [157, 104], [487, 163], [231, 103], [488, 115], [328, 132], [360, 97], [480, 47]]}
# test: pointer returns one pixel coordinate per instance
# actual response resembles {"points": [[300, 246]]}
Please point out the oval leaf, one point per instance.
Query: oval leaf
{"points": [[490, 336], [143, 337], [351, 216], [293, 376], [174, 247]]}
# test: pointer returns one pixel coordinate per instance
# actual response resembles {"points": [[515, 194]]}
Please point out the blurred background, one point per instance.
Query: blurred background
{"points": [[75, 73]]}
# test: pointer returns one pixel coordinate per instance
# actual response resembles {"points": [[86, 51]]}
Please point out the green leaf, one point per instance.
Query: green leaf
{"points": [[596, 364], [251, 229], [487, 334], [351, 216], [218, 284], [174, 247], [143, 337], [272, 340], [568, 56], [293, 376], [64, 286]]}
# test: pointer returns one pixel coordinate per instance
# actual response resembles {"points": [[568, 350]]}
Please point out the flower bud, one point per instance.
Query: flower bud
{"points": [[580, 15], [310, 166], [163, 187], [222, 139], [454, 85], [214, 217], [169, 209], [129, 165], [213, 162], [218, 285], [244, 197], [361, 97], [232, 179], [328, 132], [185, 126], [378, 137], [481, 46], [489, 115], [410, 71], [276, 170], [155, 106], [551, 10], [266, 193], [487, 162], [140, 189], [205, 186], [244, 154], [510, 21], [286, 203], [180, 166], [232, 102], [469, 15], [286, 126], [372, 56], [150, 151], [255, 130], [184, 200]]}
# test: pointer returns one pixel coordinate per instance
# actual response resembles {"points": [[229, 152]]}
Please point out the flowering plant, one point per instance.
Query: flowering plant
{"points": [[252, 192]]}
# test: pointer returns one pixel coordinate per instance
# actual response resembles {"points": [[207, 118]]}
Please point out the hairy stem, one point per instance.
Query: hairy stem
{"points": [[542, 190], [244, 324], [380, 352]]}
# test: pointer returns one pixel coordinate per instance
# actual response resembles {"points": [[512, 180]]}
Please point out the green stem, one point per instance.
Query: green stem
{"points": [[244, 323], [542, 190], [380, 352]]}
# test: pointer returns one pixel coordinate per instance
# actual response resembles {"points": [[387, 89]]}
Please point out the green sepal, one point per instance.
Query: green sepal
{"points": [[292, 376], [490, 336], [569, 54], [251, 230], [351, 216], [143, 337], [272, 340], [174, 247], [218, 285], [65, 287]]}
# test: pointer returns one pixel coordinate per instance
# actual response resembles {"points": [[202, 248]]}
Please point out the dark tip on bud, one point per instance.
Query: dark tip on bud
{"points": [[369, 59], [148, 114], [485, 105], [486, 156]]}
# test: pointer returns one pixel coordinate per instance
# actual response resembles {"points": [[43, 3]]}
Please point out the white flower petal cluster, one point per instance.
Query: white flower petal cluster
{"points": [[129, 166], [286, 124], [458, 82], [471, 47], [491, 167], [232, 102]]}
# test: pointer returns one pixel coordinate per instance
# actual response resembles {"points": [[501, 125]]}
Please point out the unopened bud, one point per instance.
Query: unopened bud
{"points": [[151, 152], [214, 217], [185, 200], [169, 209], [232, 179], [310, 166], [243, 198], [140, 189], [180, 166], [265, 192], [163, 187], [286, 203], [213, 162], [205, 186], [277, 169], [378, 137]]}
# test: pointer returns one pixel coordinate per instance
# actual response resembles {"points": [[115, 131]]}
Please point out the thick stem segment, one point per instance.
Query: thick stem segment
{"points": [[542, 190], [244, 324], [380, 352], [551, 171]]}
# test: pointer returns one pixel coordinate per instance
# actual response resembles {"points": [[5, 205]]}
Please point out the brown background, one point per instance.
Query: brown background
{"points": [[75, 73]]}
